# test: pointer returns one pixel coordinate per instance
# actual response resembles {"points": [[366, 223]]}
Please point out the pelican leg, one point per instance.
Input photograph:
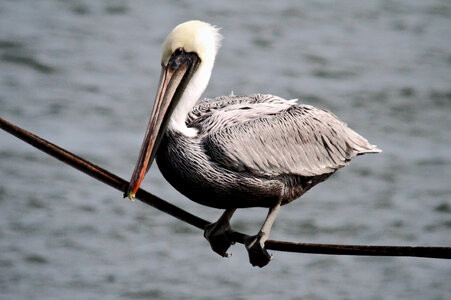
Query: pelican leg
{"points": [[255, 245], [217, 233]]}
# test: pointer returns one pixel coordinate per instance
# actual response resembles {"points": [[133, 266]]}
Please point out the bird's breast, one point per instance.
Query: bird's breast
{"points": [[188, 168]]}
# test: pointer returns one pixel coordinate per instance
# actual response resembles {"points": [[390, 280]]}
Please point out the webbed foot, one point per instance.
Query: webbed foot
{"points": [[217, 235], [255, 246]]}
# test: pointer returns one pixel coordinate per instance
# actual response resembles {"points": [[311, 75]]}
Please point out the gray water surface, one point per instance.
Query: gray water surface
{"points": [[83, 74]]}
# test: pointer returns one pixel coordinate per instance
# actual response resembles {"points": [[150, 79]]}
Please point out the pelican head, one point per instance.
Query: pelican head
{"points": [[188, 56]]}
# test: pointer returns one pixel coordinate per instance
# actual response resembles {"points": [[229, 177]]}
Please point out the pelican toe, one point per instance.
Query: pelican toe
{"points": [[218, 237], [258, 256]]}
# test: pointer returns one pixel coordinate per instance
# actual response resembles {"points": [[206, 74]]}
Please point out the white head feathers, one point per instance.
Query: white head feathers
{"points": [[204, 40], [193, 36]]}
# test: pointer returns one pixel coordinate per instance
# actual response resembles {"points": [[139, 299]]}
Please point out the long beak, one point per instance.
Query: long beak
{"points": [[165, 101]]}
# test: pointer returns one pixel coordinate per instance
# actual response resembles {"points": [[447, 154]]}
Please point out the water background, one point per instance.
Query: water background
{"points": [[83, 75]]}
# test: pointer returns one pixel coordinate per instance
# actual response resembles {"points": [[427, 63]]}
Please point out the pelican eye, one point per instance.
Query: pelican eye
{"points": [[178, 51]]}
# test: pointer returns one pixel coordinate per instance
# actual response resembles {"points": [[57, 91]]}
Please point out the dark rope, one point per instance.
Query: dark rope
{"points": [[146, 197]]}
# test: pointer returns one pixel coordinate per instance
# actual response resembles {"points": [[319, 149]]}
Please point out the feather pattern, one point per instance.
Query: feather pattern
{"points": [[255, 150], [270, 136]]}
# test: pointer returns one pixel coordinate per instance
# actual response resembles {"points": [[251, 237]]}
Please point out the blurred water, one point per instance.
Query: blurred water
{"points": [[82, 74]]}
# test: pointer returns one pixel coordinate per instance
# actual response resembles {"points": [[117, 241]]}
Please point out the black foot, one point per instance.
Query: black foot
{"points": [[217, 236], [258, 256]]}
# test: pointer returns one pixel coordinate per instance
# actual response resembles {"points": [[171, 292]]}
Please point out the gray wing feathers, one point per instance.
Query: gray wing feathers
{"points": [[294, 139], [206, 107]]}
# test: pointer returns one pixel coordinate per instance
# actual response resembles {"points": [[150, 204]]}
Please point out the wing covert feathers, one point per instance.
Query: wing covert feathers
{"points": [[270, 136]]}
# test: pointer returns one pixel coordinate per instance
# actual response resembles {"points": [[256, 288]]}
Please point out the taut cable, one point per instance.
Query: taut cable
{"points": [[152, 200]]}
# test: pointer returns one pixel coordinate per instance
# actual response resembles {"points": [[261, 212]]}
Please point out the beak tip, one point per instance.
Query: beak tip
{"points": [[130, 194]]}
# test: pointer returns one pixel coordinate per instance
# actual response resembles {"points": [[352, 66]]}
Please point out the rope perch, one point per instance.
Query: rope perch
{"points": [[152, 200]]}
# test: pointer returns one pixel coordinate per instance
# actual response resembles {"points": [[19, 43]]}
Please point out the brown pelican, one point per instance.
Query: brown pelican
{"points": [[236, 152]]}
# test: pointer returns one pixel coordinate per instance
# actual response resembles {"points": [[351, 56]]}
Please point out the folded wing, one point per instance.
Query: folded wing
{"points": [[271, 138]]}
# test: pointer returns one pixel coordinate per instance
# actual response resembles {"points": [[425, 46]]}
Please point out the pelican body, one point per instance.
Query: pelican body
{"points": [[236, 152]]}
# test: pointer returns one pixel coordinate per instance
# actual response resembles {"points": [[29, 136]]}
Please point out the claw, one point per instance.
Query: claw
{"points": [[217, 236], [258, 256]]}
